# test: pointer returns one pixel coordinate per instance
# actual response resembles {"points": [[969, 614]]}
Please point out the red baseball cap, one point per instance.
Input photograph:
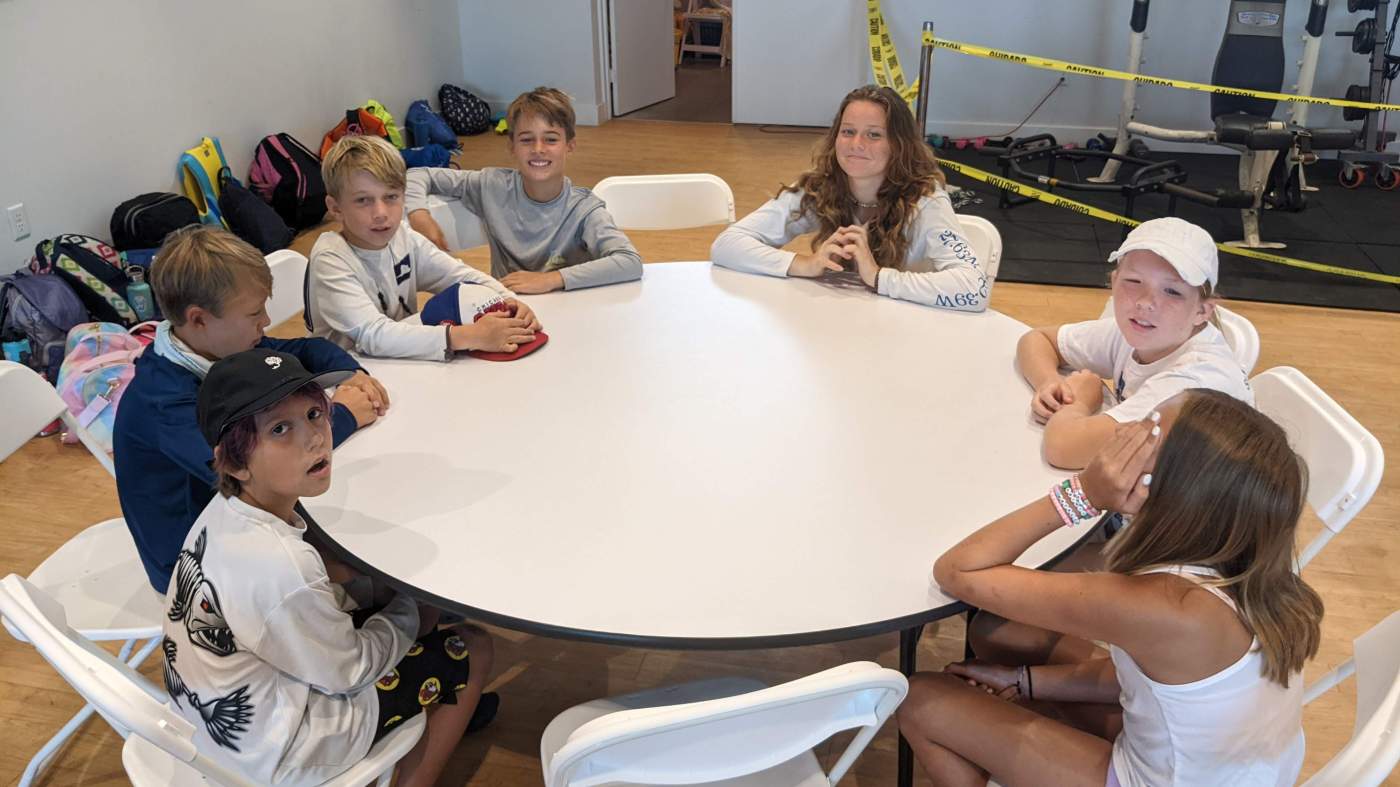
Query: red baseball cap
{"points": [[520, 351]]}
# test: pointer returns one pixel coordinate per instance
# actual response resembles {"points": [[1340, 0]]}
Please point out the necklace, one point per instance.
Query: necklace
{"points": [[865, 204]]}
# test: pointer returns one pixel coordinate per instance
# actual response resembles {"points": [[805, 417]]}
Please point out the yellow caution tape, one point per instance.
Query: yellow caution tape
{"points": [[1107, 73], [884, 60], [1024, 190]]}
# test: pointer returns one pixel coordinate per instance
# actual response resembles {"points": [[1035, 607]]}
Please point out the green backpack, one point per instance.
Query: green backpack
{"points": [[377, 109]]}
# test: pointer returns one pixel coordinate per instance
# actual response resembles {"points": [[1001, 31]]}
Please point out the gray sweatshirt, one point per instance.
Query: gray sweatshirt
{"points": [[573, 233]]}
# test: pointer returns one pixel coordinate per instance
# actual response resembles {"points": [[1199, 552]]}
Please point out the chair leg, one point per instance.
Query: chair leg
{"points": [[1254, 173], [40, 761]]}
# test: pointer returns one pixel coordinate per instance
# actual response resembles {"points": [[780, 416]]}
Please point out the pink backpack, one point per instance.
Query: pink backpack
{"points": [[97, 367]]}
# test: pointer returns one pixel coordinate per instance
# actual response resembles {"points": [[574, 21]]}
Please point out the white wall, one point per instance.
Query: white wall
{"points": [[512, 46], [101, 98], [792, 65]]}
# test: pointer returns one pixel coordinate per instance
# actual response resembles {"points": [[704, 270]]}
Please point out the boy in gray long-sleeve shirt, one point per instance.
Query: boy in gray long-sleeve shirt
{"points": [[545, 233]]}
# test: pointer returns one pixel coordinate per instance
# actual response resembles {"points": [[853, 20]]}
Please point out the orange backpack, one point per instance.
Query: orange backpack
{"points": [[357, 122]]}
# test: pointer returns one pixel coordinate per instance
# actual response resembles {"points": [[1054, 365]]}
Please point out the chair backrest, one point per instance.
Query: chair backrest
{"points": [[1250, 56], [724, 738], [666, 202], [461, 228], [985, 240], [1238, 331], [1241, 335], [30, 405], [1374, 748], [288, 278], [125, 699], [1344, 460]]}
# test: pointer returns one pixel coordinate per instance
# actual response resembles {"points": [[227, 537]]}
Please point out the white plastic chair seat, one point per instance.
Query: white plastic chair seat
{"points": [[1374, 748], [666, 202], [288, 282], [727, 731], [461, 228], [986, 242], [98, 578], [147, 764], [803, 770]]}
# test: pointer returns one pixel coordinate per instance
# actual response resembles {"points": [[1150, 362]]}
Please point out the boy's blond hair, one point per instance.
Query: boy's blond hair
{"points": [[546, 102], [203, 266], [351, 154]]}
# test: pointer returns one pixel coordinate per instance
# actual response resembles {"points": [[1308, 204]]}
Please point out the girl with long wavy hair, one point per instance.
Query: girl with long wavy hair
{"points": [[1206, 622], [876, 201]]}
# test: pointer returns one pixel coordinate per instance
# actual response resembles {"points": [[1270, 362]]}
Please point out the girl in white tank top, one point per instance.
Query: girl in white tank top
{"points": [[1206, 624]]}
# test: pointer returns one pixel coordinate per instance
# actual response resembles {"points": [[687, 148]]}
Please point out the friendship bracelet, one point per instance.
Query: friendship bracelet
{"points": [[1077, 492], [1071, 503], [1068, 520]]}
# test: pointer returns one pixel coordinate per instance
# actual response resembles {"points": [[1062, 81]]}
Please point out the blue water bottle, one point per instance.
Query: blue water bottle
{"points": [[138, 293]]}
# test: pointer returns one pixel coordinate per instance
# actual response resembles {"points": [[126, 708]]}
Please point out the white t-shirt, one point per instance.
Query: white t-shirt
{"points": [[362, 299], [260, 657], [940, 268], [1203, 361]]}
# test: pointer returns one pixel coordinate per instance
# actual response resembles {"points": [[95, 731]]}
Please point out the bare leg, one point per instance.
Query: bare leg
{"points": [[961, 734], [446, 723]]}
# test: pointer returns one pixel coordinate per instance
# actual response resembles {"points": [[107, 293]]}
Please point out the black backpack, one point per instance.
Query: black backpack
{"points": [[143, 222], [464, 112], [287, 176], [249, 217], [95, 272]]}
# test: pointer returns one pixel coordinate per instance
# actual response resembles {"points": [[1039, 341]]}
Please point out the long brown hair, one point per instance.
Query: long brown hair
{"points": [[912, 174], [1227, 492]]}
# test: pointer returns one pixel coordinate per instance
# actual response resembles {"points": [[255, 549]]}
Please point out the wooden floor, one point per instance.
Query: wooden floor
{"points": [[49, 491]]}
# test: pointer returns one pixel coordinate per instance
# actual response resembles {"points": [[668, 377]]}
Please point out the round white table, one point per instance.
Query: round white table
{"points": [[702, 459]]}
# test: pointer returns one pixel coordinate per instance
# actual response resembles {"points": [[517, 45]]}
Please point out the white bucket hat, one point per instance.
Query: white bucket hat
{"points": [[1189, 249]]}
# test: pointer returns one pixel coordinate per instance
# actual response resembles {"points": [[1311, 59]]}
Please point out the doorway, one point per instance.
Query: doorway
{"points": [[702, 51]]}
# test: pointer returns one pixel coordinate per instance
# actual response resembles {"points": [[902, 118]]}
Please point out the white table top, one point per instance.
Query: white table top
{"points": [[703, 458]]}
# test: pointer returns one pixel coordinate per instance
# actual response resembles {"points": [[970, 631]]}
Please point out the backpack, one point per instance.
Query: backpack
{"points": [[199, 172], [426, 127], [97, 368], [288, 177], [357, 122], [94, 271], [142, 222], [431, 155], [377, 109], [464, 112], [36, 313], [250, 218]]}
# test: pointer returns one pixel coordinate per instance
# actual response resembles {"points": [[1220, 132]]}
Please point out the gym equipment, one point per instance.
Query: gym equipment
{"points": [[1272, 152], [1370, 37]]}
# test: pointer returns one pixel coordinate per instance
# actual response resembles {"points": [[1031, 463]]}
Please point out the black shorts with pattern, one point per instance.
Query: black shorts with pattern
{"points": [[434, 670]]}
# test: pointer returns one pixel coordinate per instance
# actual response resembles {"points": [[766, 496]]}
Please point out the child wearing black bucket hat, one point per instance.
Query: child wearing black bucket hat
{"points": [[278, 681]]}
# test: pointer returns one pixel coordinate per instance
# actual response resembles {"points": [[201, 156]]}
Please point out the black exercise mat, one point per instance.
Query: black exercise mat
{"points": [[1348, 228]]}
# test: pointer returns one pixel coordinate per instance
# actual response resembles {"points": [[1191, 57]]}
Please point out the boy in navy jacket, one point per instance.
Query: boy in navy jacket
{"points": [[213, 289]]}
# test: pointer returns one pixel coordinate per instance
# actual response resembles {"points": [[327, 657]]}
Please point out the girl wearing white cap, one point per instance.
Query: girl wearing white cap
{"points": [[1159, 341]]}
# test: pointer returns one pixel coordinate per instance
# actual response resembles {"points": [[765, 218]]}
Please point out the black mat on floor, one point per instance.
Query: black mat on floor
{"points": [[1358, 229]]}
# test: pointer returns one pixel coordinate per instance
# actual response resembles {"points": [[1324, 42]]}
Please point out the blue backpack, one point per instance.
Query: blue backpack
{"points": [[430, 155], [427, 127], [36, 313]]}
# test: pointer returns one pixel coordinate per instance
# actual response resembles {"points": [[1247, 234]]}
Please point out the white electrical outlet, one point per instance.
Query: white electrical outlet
{"points": [[19, 221]]}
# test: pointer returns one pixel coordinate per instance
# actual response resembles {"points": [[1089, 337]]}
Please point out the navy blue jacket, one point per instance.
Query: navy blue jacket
{"points": [[164, 473]]}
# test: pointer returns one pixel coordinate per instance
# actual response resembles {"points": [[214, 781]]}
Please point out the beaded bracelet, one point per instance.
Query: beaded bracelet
{"points": [[1071, 503]]}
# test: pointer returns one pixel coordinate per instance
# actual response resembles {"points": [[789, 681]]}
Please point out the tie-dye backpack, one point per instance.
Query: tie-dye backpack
{"points": [[99, 365]]}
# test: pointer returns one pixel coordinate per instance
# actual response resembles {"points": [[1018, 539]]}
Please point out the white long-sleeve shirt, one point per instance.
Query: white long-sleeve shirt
{"points": [[941, 268], [362, 299], [259, 656]]}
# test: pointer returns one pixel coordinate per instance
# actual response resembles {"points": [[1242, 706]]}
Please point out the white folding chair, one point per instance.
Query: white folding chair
{"points": [[1238, 331], [461, 228], [1374, 748], [731, 728], [288, 284], [666, 202], [1344, 460], [986, 242], [159, 749], [96, 575]]}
